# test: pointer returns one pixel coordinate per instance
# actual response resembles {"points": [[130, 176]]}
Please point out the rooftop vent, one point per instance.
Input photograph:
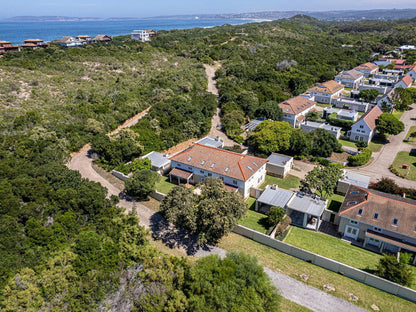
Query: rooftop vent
{"points": [[189, 159], [250, 168], [226, 169], [203, 162], [213, 164]]}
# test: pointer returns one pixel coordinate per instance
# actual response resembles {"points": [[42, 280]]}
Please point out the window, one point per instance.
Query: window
{"points": [[353, 222], [213, 164], [375, 217], [354, 192], [395, 222], [190, 157], [222, 179], [178, 165], [235, 182], [190, 168], [352, 203], [361, 127], [360, 211], [377, 229], [202, 171], [209, 174], [203, 162]]}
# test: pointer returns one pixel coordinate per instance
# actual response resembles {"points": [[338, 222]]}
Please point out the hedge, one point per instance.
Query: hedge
{"points": [[343, 123], [360, 159]]}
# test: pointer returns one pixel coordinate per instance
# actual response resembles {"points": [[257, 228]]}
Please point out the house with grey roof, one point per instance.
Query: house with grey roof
{"points": [[212, 142], [350, 78], [309, 126], [279, 165], [252, 125], [273, 196], [352, 178], [160, 162], [341, 113], [351, 104], [381, 89]]}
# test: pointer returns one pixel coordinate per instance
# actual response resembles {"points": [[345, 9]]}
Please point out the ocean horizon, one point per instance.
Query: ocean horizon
{"points": [[17, 32]]}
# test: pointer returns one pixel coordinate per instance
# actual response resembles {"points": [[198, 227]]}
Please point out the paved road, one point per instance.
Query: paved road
{"points": [[379, 168]]}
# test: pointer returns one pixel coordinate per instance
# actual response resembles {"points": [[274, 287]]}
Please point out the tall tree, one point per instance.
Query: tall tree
{"points": [[323, 143], [142, 183], [396, 270], [368, 95], [387, 124], [272, 136], [270, 110], [322, 180]]}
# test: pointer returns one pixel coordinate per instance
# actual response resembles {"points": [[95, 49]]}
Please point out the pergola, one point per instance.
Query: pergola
{"points": [[180, 174]]}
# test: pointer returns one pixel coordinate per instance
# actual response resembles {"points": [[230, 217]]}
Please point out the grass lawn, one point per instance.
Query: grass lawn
{"points": [[411, 140], [347, 143], [410, 160], [398, 114], [318, 277], [255, 221], [289, 306], [334, 202], [286, 183], [333, 248], [374, 146], [151, 203], [164, 186]]}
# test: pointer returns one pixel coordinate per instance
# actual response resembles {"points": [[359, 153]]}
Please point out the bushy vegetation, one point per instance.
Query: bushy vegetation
{"points": [[387, 185], [361, 158], [396, 270]]}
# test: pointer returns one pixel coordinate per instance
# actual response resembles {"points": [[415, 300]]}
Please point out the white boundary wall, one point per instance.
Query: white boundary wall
{"points": [[329, 264]]}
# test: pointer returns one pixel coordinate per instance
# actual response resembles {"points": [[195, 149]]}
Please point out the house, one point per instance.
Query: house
{"points": [[305, 210], [350, 79], [403, 67], [309, 126], [7, 46], [34, 43], [341, 113], [412, 73], [213, 142], [102, 39], [238, 172], [405, 82], [351, 178], [380, 89], [351, 104], [382, 82], [326, 92], [85, 39], [151, 32], [367, 69], [69, 42], [279, 165], [397, 72], [365, 128], [160, 162], [384, 102], [140, 35], [383, 221], [406, 47], [295, 109]]}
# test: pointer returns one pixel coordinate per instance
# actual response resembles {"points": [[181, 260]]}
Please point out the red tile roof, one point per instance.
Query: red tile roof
{"points": [[181, 173], [328, 87], [226, 163], [296, 105], [403, 66], [366, 66], [371, 116], [407, 80]]}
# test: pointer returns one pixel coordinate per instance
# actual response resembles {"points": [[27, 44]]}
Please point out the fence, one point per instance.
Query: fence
{"points": [[329, 264], [158, 195], [119, 175]]}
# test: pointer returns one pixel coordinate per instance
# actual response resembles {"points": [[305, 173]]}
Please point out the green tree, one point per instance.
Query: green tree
{"points": [[368, 95], [361, 144], [397, 271], [210, 215], [323, 143], [140, 164], [272, 136], [402, 98], [269, 110], [322, 180], [387, 124], [313, 116], [142, 183], [300, 143], [275, 215], [232, 122]]}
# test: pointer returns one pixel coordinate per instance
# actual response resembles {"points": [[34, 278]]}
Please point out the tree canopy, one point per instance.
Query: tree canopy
{"points": [[397, 271], [269, 110], [142, 183], [387, 124], [368, 95], [322, 180], [272, 136]]}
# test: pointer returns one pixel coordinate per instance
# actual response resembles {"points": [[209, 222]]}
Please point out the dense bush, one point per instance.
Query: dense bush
{"points": [[142, 183], [275, 215], [343, 123], [361, 158]]}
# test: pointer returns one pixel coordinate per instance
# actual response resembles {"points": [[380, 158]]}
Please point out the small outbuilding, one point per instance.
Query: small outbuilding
{"points": [[352, 178], [279, 165], [160, 162], [272, 197], [212, 142]]}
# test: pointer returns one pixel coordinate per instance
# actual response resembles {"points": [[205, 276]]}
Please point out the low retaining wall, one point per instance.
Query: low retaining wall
{"points": [[119, 175], [329, 264], [158, 195]]}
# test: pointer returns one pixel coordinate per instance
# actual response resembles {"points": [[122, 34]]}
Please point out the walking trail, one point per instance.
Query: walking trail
{"points": [[288, 287]]}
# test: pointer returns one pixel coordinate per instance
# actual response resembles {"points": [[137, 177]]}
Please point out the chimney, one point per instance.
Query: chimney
{"points": [[404, 195]]}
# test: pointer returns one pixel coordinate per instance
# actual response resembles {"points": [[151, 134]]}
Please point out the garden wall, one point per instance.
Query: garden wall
{"points": [[119, 175], [158, 195], [329, 264]]}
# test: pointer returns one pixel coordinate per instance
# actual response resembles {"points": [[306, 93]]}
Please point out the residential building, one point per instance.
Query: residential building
{"points": [[7, 46], [34, 43], [367, 69], [379, 88], [295, 109], [397, 72], [213, 142], [85, 39], [309, 126], [412, 73], [351, 104], [405, 82], [365, 128], [160, 162], [383, 221], [279, 165], [151, 32], [403, 67], [140, 35], [341, 113], [305, 210], [382, 82], [351, 178], [406, 47], [238, 172], [69, 42], [326, 92], [350, 79], [385, 102], [102, 39]]}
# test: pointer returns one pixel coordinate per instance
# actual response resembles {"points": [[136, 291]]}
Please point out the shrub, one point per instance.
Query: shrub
{"points": [[142, 183], [345, 124], [282, 226], [360, 159], [396, 271], [361, 144], [275, 215]]}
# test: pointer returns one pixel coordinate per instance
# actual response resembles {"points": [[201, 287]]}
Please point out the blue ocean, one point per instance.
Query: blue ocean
{"points": [[16, 32]]}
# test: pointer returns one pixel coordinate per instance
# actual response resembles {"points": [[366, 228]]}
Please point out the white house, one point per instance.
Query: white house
{"points": [[326, 92], [367, 69], [69, 42], [405, 82], [351, 78], [140, 35], [380, 89], [160, 162], [279, 165], [351, 104], [295, 109], [309, 126], [237, 171], [365, 128]]}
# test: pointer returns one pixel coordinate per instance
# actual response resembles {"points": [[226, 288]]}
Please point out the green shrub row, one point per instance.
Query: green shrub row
{"points": [[360, 159]]}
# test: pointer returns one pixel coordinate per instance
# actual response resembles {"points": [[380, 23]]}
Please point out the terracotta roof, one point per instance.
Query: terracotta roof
{"points": [[29, 45], [65, 39], [407, 80], [350, 74], [328, 87], [300, 118], [181, 173], [102, 37], [226, 163], [371, 116], [33, 40], [403, 66], [83, 36], [366, 66], [3, 42], [387, 206], [296, 105], [230, 188], [397, 61]]}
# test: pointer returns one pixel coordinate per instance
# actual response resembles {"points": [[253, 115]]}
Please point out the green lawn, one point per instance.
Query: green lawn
{"points": [[318, 277], [374, 146], [286, 183], [333, 248], [164, 186], [408, 159], [398, 114], [411, 140], [347, 143], [334, 202], [255, 221]]}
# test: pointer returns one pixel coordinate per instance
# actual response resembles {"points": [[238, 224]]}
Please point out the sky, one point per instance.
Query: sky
{"points": [[146, 8]]}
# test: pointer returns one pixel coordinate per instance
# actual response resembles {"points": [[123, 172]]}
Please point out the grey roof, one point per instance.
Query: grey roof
{"points": [[316, 125], [278, 159], [275, 197], [313, 205], [347, 113], [350, 74], [208, 141], [356, 179], [253, 124], [330, 110], [158, 160]]}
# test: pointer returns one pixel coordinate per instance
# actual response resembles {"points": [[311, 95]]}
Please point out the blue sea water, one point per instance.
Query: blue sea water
{"points": [[17, 32]]}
